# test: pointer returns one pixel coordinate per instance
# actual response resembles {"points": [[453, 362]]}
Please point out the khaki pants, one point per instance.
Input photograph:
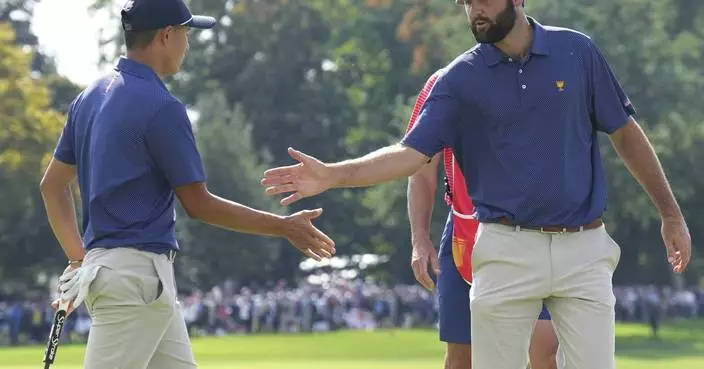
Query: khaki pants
{"points": [[137, 322], [516, 270]]}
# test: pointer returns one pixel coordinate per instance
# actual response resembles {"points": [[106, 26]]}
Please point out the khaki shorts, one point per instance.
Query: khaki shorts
{"points": [[517, 271], [137, 321]]}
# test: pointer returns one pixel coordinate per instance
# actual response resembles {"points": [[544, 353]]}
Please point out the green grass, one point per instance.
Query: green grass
{"points": [[681, 346]]}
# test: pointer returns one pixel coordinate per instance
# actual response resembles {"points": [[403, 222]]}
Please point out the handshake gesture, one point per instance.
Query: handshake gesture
{"points": [[304, 236], [307, 178]]}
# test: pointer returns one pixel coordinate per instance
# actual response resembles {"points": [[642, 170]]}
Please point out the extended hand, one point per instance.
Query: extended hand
{"points": [[309, 240], [677, 242], [307, 178]]}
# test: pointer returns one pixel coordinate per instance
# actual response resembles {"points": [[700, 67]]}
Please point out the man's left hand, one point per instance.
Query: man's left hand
{"points": [[73, 285], [678, 243], [69, 310], [67, 276]]}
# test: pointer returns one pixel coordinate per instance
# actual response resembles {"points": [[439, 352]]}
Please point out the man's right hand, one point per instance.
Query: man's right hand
{"points": [[424, 253], [307, 178], [303, 235]]}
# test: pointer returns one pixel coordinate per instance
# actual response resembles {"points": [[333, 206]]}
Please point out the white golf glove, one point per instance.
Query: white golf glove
{"points": [[74, 283]]}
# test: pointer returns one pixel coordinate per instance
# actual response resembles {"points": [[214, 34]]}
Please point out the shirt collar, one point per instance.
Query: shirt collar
{"points": [[539, 45], [137, 69]]}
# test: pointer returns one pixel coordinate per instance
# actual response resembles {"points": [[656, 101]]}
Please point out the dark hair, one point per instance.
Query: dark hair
{"points": [[462, 2], [139, 39]]}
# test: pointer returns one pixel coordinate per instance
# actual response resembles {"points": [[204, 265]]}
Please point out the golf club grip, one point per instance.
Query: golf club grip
{"points": [[56, 328]]}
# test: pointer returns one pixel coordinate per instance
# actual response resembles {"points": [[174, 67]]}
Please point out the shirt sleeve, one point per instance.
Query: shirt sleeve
{"points": [[170, 141], [435, 127], [610, 105], [65, 148], [420, 100]]}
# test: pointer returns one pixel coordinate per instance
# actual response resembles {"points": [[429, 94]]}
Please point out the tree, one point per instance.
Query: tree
{"points": [[335, 78], [656, 57], [234, 166], [18, 13], [29, 128], [659, 68]]}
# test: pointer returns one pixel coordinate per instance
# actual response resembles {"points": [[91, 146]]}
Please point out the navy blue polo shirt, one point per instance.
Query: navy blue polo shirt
{"points": [[525, 131], [132, 143]]}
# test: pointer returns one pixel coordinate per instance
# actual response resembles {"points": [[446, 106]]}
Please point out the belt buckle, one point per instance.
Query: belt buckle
{"points": [[561, 231]]}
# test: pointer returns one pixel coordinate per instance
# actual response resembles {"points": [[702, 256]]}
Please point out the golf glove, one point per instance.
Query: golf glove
{"points": [[74, 283]]}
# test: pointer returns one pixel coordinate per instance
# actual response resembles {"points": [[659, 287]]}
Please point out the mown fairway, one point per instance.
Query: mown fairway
{"points": [[680, 347]]}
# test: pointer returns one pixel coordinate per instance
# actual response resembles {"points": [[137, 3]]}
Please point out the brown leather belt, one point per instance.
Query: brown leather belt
{"points": [[554, 229]]}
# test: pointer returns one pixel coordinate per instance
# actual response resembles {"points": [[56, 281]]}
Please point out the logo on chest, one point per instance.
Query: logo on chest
{"points": [[560, 85]]}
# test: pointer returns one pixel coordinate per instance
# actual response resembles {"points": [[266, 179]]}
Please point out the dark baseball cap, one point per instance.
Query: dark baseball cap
{"points": [[463, 2], [143, 15]]}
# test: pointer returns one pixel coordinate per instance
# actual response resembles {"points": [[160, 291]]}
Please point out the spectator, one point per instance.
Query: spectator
{"points": [[333, 305]]}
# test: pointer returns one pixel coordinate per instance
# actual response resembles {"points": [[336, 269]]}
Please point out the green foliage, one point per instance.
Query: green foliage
{"points": [[337, 78], [658, 61], [29, 128], [234, 166], [18, 14]]}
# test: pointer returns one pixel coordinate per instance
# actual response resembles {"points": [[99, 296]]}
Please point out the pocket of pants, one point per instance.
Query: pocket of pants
{"points": [[479, 246], [614, 250], [94, 289], [165, 290], [113, 287], [153, 294], [97, 289], [154, 289]]}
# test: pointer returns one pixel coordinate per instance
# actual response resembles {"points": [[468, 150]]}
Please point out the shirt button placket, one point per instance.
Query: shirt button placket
{"points": [[522, 82]]}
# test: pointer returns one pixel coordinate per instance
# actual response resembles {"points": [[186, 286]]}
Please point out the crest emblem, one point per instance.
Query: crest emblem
{"points": [[560, 85]]}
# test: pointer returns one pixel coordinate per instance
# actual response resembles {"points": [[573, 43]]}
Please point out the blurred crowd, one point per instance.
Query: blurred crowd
{"points": [[231, 309], [309, 308], [652, 305]]}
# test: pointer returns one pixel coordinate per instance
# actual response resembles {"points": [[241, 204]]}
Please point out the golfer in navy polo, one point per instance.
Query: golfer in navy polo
{"points": [[522, 111], [456, 242], [130, 143]]}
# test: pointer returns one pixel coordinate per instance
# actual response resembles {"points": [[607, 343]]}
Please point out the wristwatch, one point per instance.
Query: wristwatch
{"points": [[75, 262]]}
